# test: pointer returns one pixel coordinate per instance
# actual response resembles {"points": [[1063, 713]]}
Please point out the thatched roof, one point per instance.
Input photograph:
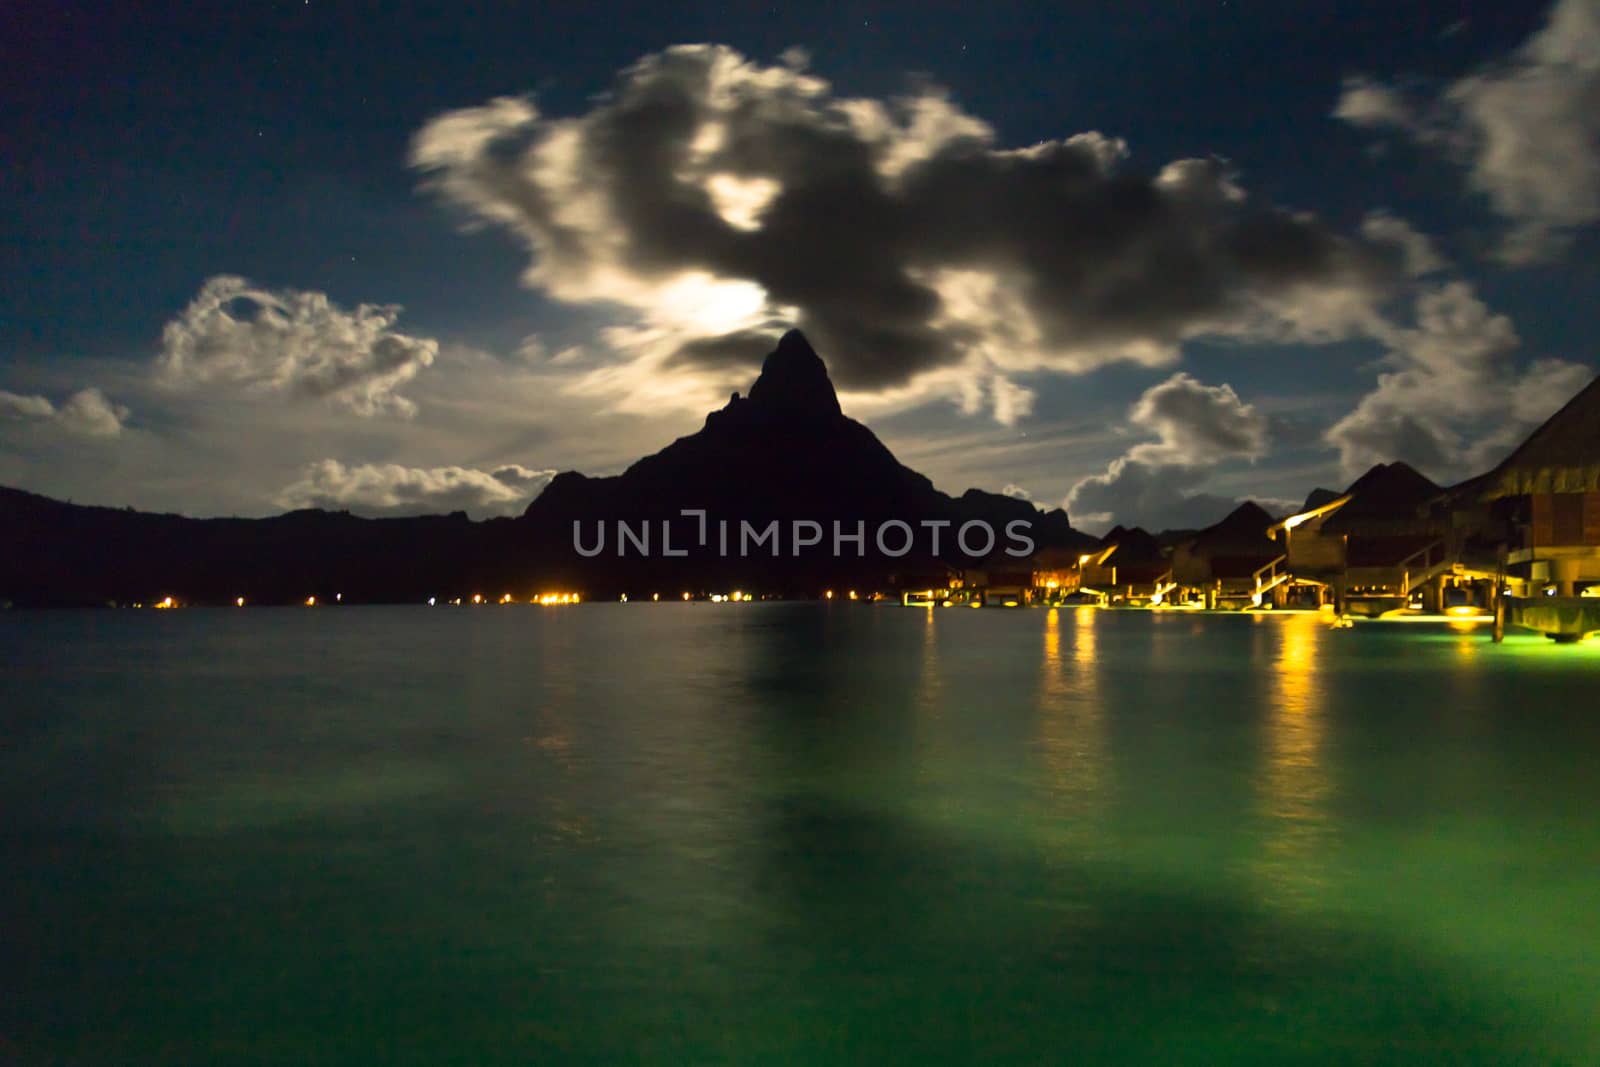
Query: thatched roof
{"points": [[1389, 491], [1243, 533], [1318, 497], [1134, 545], [1562, 456]]}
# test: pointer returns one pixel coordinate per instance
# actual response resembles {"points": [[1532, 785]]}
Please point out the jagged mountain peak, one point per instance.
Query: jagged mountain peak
{"points": [[794, 380]]}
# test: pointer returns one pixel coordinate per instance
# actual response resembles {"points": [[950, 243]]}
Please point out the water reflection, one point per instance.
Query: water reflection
{"points": [[559, 696], [1084, 642], [558, 691], [929, 687], [1071, 723], [1468, 642], [1294, 788]]}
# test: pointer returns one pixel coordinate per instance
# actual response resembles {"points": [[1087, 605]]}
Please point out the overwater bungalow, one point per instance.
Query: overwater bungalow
{"points": [[1058, 573], [1536, 516], [1002, 581], [1373, 548], [1130, 567], [1315, 558], [1233, 564], [928, 581]]}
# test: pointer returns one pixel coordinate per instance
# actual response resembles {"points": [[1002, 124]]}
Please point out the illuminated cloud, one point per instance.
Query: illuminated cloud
{"points": [[17, 406], [1196, 424], [1527, 129], [1368, 103], [379, 489], [294, 343], [1451, 376], [1153, 484], [711, 201], [1156, 496], [87, 412], [1418, 256]]}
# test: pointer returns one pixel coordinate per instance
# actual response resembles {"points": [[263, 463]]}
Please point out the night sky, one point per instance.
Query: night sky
{"points": [[1146, 259]]}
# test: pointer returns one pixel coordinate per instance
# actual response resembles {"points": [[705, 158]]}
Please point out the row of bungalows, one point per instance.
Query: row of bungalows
{"points": [[1052, 575], [1392, 540], [1395, 539], [1126, 566]]}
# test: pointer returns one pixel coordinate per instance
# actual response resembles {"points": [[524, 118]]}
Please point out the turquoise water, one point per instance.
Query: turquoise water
{"points": [[794, 834]]}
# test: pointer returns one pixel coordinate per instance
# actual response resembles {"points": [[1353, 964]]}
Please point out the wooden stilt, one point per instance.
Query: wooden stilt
{"points": [[1499, 600]]}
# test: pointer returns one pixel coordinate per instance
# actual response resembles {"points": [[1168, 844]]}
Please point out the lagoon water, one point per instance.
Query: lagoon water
{"points": [[794, 834]]}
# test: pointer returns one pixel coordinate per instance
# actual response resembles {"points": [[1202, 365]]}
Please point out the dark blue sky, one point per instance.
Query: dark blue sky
{"points": [[152, 147]]}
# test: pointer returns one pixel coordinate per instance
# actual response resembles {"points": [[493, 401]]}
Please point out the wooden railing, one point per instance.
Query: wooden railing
{"points": [[1267, 578], [1427, 562]]}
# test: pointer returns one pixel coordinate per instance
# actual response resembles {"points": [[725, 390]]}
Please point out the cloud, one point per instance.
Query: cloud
{"points": [[294, 343], [1451, 379], [1527, 129], [1157, 496], [1197, 426], [1016, 491], [1368, 103], [17, 406], [1011, 401], [379, 489], [709, 201], [87, 412], [1417, 253]]}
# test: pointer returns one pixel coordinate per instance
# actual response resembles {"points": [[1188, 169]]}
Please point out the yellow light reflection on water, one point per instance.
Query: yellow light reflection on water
{"points": [[1071, 736], [929, 685], [1083, 654], [1293, 786]]}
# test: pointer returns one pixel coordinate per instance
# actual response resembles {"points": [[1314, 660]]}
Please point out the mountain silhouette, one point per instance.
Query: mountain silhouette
{"points": [[784, 453]]}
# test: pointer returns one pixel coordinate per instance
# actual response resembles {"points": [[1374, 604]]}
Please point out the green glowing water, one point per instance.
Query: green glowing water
{"points": [[794, 834]]}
